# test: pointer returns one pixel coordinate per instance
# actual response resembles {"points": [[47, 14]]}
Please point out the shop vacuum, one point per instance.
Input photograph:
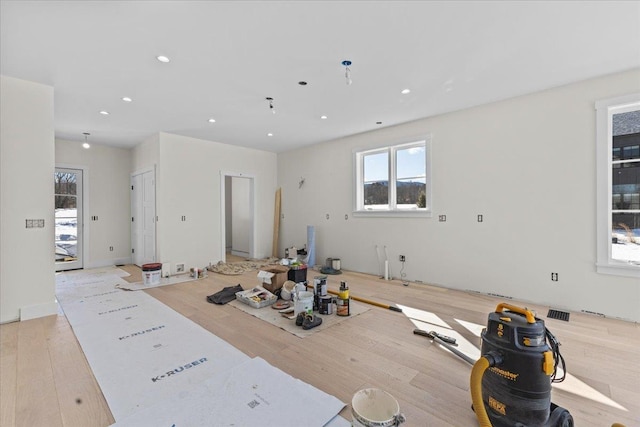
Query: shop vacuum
{"points": [[511, 382]]}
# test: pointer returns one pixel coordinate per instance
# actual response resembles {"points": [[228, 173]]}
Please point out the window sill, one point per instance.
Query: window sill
{"points": [[623, 270], [393, 214]]}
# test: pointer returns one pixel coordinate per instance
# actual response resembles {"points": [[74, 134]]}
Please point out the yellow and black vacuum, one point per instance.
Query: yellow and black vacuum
{"points": [[511, 382]]}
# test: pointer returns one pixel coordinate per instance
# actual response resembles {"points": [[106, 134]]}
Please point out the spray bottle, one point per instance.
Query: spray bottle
{"points": [[342, 302]]}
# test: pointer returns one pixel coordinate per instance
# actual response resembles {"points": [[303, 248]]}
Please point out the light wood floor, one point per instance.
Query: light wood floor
{"points": [[45, 379]]}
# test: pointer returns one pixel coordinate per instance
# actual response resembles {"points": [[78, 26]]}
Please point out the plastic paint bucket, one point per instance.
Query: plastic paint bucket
{"points": [[303, 303], [151, 273], [373, 407], [287, 290]]}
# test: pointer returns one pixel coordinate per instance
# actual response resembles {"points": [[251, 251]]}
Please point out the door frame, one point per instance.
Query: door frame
{"points": [[85, 208], [223, 212], [151, 169]]}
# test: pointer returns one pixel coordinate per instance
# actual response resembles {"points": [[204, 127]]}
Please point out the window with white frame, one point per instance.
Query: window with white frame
{"points": [[618, 155], [393, 180]]}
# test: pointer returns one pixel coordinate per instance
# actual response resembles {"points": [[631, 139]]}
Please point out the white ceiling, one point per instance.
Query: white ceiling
{"points": [[228, 56]]}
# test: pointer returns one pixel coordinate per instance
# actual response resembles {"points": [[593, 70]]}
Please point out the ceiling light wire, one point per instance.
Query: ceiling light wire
{"points": [[347, 71], [271, 107]]}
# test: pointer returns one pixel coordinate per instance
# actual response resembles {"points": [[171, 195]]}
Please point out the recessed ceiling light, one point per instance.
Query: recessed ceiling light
{"points": [[302, 83], [378, 123], [162, 58], [212, 120], [269, 134], [126, 99], [104, 113], [405, 91], [323, 117]]}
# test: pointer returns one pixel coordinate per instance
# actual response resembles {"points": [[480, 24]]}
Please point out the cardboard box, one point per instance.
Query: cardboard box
{"points": [[272, 278], [257, 297]]}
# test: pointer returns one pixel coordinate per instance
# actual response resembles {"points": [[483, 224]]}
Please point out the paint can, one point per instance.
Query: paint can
{"points": [[320, 285], [342, 307], [151, 273], [326, 305], [319, 290], [373, 407], [303, 302]]}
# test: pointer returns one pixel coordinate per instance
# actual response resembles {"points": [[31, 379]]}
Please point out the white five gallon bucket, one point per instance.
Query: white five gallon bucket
{"points": [[373, 407], [303, 303], [151, 273]]}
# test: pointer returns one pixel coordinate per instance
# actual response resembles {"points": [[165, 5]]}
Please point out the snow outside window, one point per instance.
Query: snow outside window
{"points": [[618, 156]]}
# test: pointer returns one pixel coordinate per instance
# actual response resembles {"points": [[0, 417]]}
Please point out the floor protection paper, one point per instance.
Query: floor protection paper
{"points": [[145, 355], [253, 393]]}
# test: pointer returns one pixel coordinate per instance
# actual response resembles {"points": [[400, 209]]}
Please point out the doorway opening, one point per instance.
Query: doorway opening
{"points": [[67, 184], [237, 215]]}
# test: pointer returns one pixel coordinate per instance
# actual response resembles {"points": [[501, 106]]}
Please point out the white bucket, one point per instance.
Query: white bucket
{"points": [[303, 303], [151, 273], [287, 290], [373, 407], [151, 277]]}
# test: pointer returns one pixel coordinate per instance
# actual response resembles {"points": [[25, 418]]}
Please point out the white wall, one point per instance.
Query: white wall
{"points": [[527, 164], [188, 184], [107, 196], [27, 281]]}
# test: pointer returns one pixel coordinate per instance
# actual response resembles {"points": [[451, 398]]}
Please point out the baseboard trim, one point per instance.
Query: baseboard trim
{"points": [[38, 310]]}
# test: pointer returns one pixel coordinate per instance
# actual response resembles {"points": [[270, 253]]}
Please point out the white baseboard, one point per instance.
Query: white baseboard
{"points": [[38, 310], [107, 262]]}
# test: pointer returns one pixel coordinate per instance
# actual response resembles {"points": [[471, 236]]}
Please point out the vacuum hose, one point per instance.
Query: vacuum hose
{"points": [[486, 361]]}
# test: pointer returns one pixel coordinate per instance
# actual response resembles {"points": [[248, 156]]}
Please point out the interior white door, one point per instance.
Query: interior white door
{"points": [[68, 218], [143, 218]]}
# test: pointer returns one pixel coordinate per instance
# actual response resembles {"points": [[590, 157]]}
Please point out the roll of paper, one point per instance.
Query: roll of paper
{"points": [[311, 245], [386, 270]]}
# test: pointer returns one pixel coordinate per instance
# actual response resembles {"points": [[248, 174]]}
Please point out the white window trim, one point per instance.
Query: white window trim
{"points": [[604, 111], [358, 178]]}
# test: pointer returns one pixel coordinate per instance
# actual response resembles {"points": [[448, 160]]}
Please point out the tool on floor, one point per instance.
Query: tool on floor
{"points": [[447, 342], [368, 301], [434, 334], [511, 382]]}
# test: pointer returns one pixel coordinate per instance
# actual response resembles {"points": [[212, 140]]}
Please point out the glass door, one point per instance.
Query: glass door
{"points": [[68, 218]]}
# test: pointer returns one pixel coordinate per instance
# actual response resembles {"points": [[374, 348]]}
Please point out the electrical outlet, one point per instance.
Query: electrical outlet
{"points": [[402, 258], [180, 267], [554, 277], [480, 218], [442, 218], [110, 248]]}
